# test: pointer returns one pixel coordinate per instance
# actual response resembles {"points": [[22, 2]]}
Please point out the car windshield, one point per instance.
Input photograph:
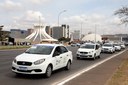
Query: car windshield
{"points": [[46, 50], [116, 45], [108, 45], [88, 46]]}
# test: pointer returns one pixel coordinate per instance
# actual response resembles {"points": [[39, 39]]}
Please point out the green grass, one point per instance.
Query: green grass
{"points": [[12, 47]]}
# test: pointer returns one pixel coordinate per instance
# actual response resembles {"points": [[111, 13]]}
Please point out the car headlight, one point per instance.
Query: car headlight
{"points": [[78, 52], [39, 61], [14, 61], [90, 52]]}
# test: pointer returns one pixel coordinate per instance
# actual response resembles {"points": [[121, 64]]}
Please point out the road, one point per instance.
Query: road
{"points": [[7, 77]]}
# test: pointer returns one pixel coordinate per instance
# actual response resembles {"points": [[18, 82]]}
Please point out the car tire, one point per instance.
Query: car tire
{"points": [[48, 71], [98, 56], [78, 58], [68, 66]]}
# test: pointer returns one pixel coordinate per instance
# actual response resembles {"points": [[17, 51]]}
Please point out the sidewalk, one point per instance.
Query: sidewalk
{"points": [[101, 74]]}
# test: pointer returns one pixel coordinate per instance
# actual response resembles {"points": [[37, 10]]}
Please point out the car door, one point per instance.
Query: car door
{"points": [[98, 50], [65, 55], [57, 58]]}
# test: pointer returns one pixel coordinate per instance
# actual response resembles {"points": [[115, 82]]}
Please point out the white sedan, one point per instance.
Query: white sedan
{"points": [[117, 47], [42, 59], [108, 47], [89, 50]]}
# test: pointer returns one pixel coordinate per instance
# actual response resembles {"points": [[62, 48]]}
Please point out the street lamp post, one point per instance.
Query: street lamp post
{"points": [[59, 15], [82, 27], [95, 32]]}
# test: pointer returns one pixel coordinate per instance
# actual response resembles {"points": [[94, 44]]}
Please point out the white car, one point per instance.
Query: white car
{"points": [[42, 59], [122, 45], [89, 50], [117, 47], [108, 47]]}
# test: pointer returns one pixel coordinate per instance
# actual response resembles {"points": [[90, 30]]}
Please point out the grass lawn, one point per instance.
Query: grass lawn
{"points": [[12, 47], [120, 77]]}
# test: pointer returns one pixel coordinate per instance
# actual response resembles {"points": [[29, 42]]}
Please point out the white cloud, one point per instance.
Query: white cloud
{"points": [[30, 17], [116, 20], [103, 23], [10, 6], [38, 1]]}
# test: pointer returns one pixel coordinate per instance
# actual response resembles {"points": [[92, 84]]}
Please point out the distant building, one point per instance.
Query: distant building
{"points": [[116, 38], [17, 33], [76, 35], [3, 36], [48, 30], [59, 32], [30, 31], [65, 31]]}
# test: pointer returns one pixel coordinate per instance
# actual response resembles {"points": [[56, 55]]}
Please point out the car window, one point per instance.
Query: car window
{"points": [[108, 45], [63, 49], [46, 50], [97, 47], [57, 51]]}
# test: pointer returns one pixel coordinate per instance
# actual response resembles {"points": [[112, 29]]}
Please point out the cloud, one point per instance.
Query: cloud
{"points": [[38, 1], [10, 6], [30, 17], [104, 23], [91, 19]]}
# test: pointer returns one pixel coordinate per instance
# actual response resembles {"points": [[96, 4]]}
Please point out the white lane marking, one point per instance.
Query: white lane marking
{"points": [[63, 81]]}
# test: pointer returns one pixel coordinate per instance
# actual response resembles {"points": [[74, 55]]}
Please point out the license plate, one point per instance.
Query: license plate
{"points": [[23, 68], [83, 56]]}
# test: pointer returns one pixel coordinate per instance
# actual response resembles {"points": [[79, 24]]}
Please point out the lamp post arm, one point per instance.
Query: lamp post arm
{"points": [[59, 16]]}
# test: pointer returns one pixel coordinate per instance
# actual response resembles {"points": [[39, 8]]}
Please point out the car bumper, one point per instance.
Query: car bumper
{"points": [[34, 69], [85, 56], [106, 50]]}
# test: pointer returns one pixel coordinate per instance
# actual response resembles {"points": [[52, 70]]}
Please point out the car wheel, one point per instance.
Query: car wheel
{"points": [[99, 56], [48, 71], [68, 66], [78, 58]]}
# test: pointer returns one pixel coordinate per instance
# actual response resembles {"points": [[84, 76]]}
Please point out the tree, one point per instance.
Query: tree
{"points": [[3, 34], [123, 14], [64, 39]]}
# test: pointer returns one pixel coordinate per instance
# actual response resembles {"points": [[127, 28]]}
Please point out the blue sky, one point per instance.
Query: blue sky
{"points": [[22, 14]]}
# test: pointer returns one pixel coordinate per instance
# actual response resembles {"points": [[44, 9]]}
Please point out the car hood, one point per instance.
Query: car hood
{"points": [[85, 50], [30, 57]]}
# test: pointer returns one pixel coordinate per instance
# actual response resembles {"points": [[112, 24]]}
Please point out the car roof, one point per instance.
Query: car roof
{"points": [[108, 43], [91, 44], [54, 45]]}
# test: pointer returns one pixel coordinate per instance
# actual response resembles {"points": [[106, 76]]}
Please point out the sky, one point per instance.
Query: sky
{"points": [[84, 15]]}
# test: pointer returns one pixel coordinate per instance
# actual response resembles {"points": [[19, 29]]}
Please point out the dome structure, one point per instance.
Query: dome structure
{"points": [[92, 37]]}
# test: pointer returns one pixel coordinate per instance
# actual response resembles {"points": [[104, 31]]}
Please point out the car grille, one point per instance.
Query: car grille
{"points": [[83, 52], [24, 63], [24, 70], [105, 48]]}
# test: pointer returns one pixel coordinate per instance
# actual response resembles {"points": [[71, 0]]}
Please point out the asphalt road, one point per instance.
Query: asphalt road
{"points": [[7, 77]]}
